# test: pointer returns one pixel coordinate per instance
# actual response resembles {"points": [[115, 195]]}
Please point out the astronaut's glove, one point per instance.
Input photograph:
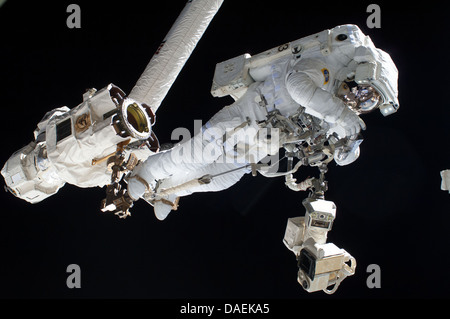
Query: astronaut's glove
{"points": [[350, 122], [348, 153]]}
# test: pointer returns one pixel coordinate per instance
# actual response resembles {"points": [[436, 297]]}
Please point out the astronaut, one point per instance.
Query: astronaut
{"points": [[334, 77]]}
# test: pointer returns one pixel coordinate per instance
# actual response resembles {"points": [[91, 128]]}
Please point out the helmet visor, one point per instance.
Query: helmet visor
{"points": [[360, 98]]}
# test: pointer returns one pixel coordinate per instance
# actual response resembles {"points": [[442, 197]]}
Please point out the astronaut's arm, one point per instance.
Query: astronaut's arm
{"points": [[301, 85], [317, 101]]}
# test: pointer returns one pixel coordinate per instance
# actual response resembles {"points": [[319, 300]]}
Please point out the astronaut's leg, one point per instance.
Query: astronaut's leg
{"points": [[177, 163], [226, 171], [203, 149], [223, 176]]}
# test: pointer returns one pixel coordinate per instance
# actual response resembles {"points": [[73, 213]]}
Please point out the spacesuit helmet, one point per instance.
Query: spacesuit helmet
{"points": [[371, 68], [361, 98]]}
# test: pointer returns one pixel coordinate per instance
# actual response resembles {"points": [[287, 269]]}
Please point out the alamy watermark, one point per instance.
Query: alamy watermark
{"points": [[374, 19], [74, 19], [74, 279], [374, 279]]}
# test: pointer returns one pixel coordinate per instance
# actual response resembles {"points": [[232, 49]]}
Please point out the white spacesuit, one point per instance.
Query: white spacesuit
{"points": [[334, 75]]}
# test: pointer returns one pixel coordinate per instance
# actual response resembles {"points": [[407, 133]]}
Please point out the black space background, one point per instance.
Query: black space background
{"points": [[391, 211]]}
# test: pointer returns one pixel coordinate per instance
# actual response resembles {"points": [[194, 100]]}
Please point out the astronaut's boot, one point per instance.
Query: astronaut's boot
{"points": [[136, 189], [137, 184], [164, 206]]}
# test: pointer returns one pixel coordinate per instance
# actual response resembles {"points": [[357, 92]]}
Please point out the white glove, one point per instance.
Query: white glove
{"points": [[350, 122], [345, 155]]}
